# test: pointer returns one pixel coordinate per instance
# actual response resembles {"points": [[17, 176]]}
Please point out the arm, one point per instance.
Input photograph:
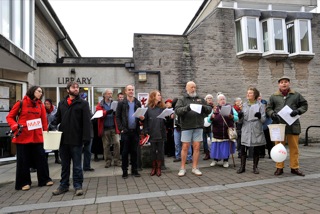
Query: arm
{"points": [[235, 115]]}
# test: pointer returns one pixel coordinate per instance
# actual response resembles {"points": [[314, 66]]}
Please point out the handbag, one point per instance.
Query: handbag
{"points": [[232, 132]]}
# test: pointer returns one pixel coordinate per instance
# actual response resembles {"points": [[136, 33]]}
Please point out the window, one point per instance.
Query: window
{"points": [[299, 37], [278, 34], [239, 36], [265, 36]]}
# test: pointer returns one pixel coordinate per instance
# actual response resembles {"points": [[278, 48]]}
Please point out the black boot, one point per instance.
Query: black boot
{"points": [[243, 163], [255, 165], [56, 154]]}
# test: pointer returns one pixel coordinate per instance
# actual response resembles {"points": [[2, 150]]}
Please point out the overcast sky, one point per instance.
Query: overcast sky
{"points": [[105, 28]]}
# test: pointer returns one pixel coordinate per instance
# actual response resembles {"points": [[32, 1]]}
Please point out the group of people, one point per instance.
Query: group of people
{"points": [[72, 118]]}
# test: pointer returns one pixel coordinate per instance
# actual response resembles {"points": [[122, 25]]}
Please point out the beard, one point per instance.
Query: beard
{"points": [[194, 94], [73, 93]]}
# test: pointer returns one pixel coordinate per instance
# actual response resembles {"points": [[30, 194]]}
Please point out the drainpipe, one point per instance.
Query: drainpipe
{"points": [[58, 54]]}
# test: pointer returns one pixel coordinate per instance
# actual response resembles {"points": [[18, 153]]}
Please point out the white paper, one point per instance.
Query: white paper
{"points": [[225, 110], [114, 105], [140, 112], [252, 111], [97, 114], [196, 107], [275, 134], [165, 113], [285, 114], [34, 124]]}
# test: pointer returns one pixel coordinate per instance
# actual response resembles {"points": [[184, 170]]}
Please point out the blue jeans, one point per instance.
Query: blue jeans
{"points": [[68, 153], [178, 144], [87, 155]]}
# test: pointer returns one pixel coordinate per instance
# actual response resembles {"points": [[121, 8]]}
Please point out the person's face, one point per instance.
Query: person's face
{"points": [[120, 97], [238, 102], [73, 90], [129, 91], [284, 84], [158, 97], [191, 88], [108, 95], [222, 101], [47, 105], [209, 101], [38, 93], [168, 105], [250, 95]]}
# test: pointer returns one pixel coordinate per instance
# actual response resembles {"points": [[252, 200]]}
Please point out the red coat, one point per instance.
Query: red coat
{"points": [[30, 110], [101, 120]]}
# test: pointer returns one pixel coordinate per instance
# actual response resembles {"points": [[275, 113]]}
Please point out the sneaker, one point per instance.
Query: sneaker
{"points": [[78, 192], [59, 191], [182, 172], [213, 163], [196, 171], [225, 164], [117, 163], [26, 188]]}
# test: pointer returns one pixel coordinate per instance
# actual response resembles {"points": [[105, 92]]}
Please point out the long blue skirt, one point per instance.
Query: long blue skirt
{"points": [[222, 150]]}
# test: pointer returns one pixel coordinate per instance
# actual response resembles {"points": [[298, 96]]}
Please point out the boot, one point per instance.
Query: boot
{"points": [[207, 156], [154, 168], [255, 165], [159, 168], [56, 154], [243, 164]]}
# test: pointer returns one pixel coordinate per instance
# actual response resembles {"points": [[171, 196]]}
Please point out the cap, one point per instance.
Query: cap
{"points": [[168, 100], [284, 78]]}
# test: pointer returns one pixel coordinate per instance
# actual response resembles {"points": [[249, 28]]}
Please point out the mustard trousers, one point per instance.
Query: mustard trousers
{"points": [[293, 142]]}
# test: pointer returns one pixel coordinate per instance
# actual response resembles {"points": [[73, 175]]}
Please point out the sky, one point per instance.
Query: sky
{"points": [[105, 28]]}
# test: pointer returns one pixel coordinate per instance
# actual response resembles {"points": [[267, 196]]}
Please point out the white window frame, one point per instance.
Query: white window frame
{"points": [[271, 38], [297, 39], [244, 32]]}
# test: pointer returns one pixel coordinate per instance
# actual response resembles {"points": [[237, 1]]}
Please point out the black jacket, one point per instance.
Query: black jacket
{"points": [[74, 121], [122, 115]]}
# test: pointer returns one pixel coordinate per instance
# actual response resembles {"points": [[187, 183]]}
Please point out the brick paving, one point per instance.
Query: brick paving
{"points": [[218, 190]]}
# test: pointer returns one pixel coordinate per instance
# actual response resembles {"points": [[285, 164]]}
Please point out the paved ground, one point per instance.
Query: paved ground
{"points": [[219, 190]]}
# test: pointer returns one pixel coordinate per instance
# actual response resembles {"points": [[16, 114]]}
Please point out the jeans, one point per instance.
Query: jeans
{"points": [[130, 146], [68, 153], [87, 155], [178, 144]]}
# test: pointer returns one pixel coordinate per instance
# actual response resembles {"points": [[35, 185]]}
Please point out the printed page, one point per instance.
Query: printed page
{"points": [[97, 114], [284, 113], [225, 110], [140, 112], [196, 107], [165, 113], [114, 105], [252, 111]]}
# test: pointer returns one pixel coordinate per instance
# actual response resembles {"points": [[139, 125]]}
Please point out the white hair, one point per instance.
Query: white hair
{"points": [[221, 95], [208, 96]]}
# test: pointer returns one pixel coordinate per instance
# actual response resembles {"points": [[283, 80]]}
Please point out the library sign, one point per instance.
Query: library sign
{"points": [[79, 80]]}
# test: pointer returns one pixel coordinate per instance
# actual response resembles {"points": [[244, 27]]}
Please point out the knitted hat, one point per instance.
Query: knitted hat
{"points": [[48, 100]]}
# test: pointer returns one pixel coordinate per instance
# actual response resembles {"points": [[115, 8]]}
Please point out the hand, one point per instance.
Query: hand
{"points": [[14, 127], [189, 108], [240, 114], [275, 117], [110, 111], [258, 115], [230, 116], [294, 113]]}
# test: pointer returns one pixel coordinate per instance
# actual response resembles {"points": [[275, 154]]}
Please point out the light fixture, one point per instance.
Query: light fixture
{"points": [[142, 76], [73, 71]]}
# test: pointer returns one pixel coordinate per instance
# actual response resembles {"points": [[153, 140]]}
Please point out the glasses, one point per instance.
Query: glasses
{"points": [[39, 91]]}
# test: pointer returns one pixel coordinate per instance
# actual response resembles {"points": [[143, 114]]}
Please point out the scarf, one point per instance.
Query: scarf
{"points": [[285, 92]]}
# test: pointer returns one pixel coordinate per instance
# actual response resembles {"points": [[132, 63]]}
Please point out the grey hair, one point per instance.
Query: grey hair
{"points": [[105, 91], [221, 95], [237, 99]]}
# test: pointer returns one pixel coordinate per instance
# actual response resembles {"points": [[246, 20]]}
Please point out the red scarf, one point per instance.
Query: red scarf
{"points": [[69, 101], [50, 110], [285, 92]]}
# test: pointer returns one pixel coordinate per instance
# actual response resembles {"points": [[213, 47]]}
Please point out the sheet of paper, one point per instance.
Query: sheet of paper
{"points": [[285, 114], [34, 124], [196, 107], [165, 113], [140, 112], [114, 105], [225, 110], [97, 114], [275, 134], [252, 111]]}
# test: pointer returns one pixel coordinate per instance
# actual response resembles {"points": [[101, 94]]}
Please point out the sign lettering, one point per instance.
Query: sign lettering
{"points": [[79, 80]]}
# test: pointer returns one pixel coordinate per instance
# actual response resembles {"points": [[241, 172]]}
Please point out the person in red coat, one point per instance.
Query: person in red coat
{"points": [[27, 135]]}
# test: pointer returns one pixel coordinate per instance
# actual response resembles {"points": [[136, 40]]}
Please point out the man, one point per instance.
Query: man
{"points": [[130, 130], [73, 115], [108, 130], [207, 131], [51, 112], [191, 126], [120, 96], [286, 96]]}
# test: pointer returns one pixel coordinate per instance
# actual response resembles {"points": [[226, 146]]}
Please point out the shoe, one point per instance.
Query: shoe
{"points": [[26, 187], [297, 172], [125, 174], [108, 164], [117, 163], [196, 171], [225, 164], [213, 163], [177, 160], [33, 170], [188, 161], [49, 183], [58, 161], [78, 192], [278, 172], [59, 191], [89, 170], [182, 172], [136, 173]]}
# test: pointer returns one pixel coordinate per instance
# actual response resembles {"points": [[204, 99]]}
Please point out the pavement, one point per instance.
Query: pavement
{"points": [[218, 190]]}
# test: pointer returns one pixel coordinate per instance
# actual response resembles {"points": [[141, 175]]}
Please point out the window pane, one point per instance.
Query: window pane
{"points": [[5, 13], [252, 34], [304, 40], [239, 36], [50, 93], [265, 36], [17, 25], [278, 34], [291, 38]]}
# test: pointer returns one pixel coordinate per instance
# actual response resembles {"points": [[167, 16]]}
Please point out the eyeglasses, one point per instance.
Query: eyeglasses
{"points": [[39, 91]]}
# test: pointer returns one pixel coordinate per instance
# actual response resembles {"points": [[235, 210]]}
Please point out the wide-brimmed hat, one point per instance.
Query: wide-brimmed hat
{"points": [[284, 78]]}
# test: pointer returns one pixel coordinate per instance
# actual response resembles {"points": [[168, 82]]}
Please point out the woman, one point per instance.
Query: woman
{"points": [[29, 139], [252, 121], [222, 146], [156, 128]]}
